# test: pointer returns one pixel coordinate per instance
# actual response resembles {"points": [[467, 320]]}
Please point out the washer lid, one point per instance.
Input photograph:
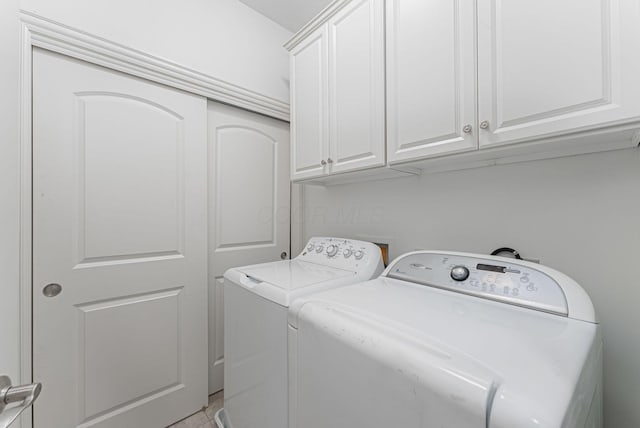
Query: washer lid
{"points": [[284, 281], [290, 275]]}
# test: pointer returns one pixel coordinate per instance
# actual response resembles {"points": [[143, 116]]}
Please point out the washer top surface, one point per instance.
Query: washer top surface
{"points": [[324, 263], [289, 275]]}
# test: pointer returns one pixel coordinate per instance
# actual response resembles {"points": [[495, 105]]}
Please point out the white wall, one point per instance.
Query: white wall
{"points": [[580, 215], [221, 38]]}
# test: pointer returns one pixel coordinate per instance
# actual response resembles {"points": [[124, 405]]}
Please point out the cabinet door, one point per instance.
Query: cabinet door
{"points": [[356, 82], [549, 67], [431, 78], [309, 102]]}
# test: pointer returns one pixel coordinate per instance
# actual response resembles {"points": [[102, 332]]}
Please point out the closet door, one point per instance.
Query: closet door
{"points": [[356, 86], [119, 248], [431, 78], [309, 107], [549, 67], [249, 206]]}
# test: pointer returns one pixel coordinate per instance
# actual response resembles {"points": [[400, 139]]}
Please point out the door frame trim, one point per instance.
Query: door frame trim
{"points": [[57, 37], [36, 31]]}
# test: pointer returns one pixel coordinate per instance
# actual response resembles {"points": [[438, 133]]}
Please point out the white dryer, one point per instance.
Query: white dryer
{"points": [[256, 300], [447, 339]]}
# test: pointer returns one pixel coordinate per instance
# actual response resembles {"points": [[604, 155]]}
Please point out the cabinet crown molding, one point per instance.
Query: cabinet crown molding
{"points": [[319, 20]]}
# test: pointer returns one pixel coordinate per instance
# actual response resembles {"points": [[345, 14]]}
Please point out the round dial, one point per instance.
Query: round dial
{"points": [[332, 250], [359, 254], [459, 273], [319, 249], [309, 247], [347, 253]]}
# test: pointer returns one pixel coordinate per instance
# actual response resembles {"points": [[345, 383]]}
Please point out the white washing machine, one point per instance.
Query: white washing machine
{"points": [[447, 339], [256, 299]]}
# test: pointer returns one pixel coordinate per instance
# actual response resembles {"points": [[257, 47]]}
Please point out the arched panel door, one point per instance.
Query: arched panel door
{"points": [[119, 210], [249, 205]]}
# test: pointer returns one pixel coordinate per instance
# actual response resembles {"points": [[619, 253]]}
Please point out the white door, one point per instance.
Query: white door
{"points": [[548, 67], [309, 107], [431, 78], [119, 221], [249, 205], [356, 87]]}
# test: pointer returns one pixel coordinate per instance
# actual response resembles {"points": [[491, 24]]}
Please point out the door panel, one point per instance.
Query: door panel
{"points": [[129, 365], [242, 186], [431, 78], [356, 85], [542, 71], [249, 205], [309, 105], [118, 214], [123, 214]]}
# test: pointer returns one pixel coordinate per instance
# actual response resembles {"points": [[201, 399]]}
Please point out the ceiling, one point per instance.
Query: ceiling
{"points": [[291, 14]]}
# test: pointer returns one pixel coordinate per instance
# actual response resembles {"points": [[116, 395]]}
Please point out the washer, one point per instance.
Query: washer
{"points": [[446, 339], [256, 299]]}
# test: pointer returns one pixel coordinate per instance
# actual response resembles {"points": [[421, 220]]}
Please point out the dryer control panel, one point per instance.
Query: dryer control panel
{"points": [[495, 278]]}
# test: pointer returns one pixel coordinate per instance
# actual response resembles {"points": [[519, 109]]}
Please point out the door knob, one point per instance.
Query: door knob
{"points": [[484, 124], [323, 162], [52, 290], [467, 129], [24, 394], [329, 160], [283, 255]]}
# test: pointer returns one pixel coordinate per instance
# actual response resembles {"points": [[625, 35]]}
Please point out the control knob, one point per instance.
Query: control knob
{"points": [[310, 247], [347, 253], [459, 273], [332, 250], [319, 249], [358, 254]]}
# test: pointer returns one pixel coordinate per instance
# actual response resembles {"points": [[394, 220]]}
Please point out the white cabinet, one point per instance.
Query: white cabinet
{"points": [[337, 91], [309, 106], [431, 80], [548, 73], [356, 86], [548, 67]]}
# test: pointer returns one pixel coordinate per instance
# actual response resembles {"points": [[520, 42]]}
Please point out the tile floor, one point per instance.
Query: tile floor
{"points": [[204, 418]]}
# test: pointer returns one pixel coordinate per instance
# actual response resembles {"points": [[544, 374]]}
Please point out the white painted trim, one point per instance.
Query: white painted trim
{"points": [[317, 22], [60, 38], [297, 219], [25, 281]]}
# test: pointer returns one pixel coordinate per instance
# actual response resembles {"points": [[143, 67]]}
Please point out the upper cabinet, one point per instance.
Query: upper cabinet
{"points": [[431, 78], [485, 74], [309, 106], [337, 91], [548, 67], [467, 82]]}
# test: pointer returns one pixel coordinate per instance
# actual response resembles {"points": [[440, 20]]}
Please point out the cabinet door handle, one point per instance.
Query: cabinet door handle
{"points": [[329, 160], [484, 124], [323, 162], [467, 129]]}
